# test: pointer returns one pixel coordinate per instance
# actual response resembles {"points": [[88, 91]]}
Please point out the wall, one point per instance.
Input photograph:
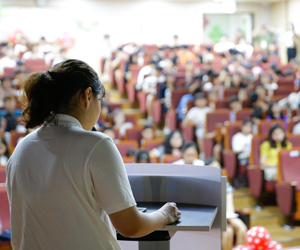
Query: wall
{"points": [[138, 21]]}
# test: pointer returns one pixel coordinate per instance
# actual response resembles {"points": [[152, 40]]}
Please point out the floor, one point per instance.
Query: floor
{"points": [[269, 217]]}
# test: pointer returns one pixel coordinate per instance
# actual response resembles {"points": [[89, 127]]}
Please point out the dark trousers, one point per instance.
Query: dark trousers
{"points": [[291, 53]]}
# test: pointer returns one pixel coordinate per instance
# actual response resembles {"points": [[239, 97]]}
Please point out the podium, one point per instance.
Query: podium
{"points": [[200, 194]]}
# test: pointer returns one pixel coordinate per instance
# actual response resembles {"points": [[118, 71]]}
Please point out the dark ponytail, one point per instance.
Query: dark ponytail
{"points": [[48, 92]]}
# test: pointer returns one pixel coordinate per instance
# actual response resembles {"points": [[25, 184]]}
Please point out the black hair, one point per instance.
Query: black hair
{"points": [[199, 95], [233, 99], [4, 44], [246, 121], [159, 68], [142, 154], [5, 78], [258, 85], [253, 96], [167, 144], [209, 160], [7, 152], [196, 91], [257, 113], [130, 152], [190, 144], [147, 126], [270, 113], [273, 127], [46, 93]]}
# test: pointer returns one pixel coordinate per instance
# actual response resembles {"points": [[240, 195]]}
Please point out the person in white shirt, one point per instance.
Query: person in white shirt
{"points": [[44, 46], [8, 61], [245, 48], [197, 117], [148, 70], [62, 56], [33, 53], [190, 155], [241, 142], [21, 46], [120, 123], [224, 45], [67, 185], [290, 40], [296, 128]]}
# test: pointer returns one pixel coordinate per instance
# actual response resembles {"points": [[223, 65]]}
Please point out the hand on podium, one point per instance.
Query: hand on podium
{"points": [[171, 212]]}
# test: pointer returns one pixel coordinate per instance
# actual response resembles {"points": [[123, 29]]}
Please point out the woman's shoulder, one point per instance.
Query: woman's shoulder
{"points": [[265, 145]]}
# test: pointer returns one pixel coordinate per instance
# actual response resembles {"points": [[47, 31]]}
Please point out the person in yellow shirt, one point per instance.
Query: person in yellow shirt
{"points": [[269, 151]]}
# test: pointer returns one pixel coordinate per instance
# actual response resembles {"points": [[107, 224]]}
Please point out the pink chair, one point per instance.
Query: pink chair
{"points": [[4, 209], [2, 174], [125, 146]]}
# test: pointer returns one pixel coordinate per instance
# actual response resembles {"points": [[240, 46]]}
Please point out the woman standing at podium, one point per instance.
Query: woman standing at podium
{"points": [[67, 185]]}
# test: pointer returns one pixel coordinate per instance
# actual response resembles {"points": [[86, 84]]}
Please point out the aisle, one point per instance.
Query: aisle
{"points": [[268, 217]]}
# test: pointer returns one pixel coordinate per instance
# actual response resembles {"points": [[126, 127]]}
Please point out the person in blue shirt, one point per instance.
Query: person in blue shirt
{"points": [[182, 106]]}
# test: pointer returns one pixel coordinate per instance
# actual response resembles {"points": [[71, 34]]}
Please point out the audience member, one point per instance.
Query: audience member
{"points": [[33, 53], [235, 229], [275, 113], [6, 85], [224, 45], [291, 40], [8, 119], [296, 129], [110, 132], [142, 156], [197, 117], [8, 61], [120, 123], [237, 81], [4, 151], [256, 117], [234, 105], [190, 155], [44, 47], [172, 145], [244, 47], [241, 142], [148, 133], [269, 151]]}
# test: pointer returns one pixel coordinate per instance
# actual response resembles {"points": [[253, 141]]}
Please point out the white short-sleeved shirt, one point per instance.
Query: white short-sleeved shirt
{"points": [[196, 162], [198, 115], [62, 183], [242, 143]]}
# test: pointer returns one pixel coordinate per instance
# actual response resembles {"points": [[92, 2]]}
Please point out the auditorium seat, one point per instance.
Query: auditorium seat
{"points": [[134, 133], [28, 63], [230, 161], [264, 126], [283, 90], [287, 81], [243, 113], [131, 159], [133, 118], [125, 146], [231, 92], [4, 209], [151, 144], [222, 104], [291, 125], [170, 158], [38, 67], [9, 71], [2, 174], [176, 96], [288, 186], [130, 86], [215, 117], [141, 97], [157, 111], [258, 186], [14, 139]]}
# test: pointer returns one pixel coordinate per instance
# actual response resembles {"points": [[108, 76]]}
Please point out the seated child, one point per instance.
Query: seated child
{"points": [[190, 155], [235, 226]]}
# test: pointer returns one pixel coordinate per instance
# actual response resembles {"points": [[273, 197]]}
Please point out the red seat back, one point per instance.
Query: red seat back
{"points": [[218, 116], [2, 174], [287, 81], [134, 134], [151, 144], [283, 91], [264, 126], [222, 104], [288, 165], [231, 92], [170, 158], [176, 96], [231, 130], [30, 62], [125, 146], [291, 125], [15, 136], [134, 69], [243, 113], [38, 67], [4, 209], [133, 118], [255, 152], [294, 139]]}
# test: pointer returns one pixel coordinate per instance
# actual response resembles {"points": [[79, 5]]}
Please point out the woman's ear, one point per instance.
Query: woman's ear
{"points": [[87, 97]]}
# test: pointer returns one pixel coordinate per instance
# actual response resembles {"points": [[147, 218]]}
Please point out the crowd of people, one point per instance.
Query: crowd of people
{"points": [[206, 72]]}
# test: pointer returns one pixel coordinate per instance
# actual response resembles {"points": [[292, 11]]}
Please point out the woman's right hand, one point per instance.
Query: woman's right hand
{"points": [[171, 212]]}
